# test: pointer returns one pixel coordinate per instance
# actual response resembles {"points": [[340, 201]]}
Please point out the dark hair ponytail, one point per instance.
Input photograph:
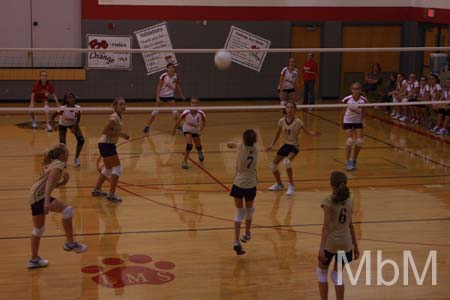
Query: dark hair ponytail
{"points": [[249, 137], [340, 190]]}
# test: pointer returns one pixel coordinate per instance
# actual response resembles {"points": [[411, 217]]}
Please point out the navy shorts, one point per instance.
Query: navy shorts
{"points": [[193, 134], [287, 91], [165, 99], [107, 149], [286, 149], [248, 194], [330, 255], [352, 126], [37, 208]]}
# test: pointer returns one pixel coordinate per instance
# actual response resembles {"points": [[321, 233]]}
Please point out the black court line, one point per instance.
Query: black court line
{"points": [[259, 180], [227, 228], [386, 143], [182, 152]]}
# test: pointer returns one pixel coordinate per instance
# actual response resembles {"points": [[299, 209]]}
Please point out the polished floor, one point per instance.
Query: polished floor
{"points": [[171, 237]]}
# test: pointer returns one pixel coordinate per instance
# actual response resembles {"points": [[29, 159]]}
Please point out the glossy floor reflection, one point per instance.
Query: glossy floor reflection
{"points": [[171, 237]]}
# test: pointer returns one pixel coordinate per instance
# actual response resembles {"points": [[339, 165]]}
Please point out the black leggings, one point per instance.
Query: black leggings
{"points": [[75, 129]]}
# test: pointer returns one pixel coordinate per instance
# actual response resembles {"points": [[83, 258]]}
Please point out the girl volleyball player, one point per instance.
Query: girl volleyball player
{"points": [[288, 84], [194, 123], [291, 126], [244, 187], [398, 95], [41, 89], [435, 94], [42, 202], [338, 234], [422, 95], [165, 92], [352, 123], [412, 91], [443, 117], [107, 147], [70, 119]]}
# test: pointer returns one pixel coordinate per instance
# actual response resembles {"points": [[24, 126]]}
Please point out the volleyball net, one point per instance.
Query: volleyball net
{"points": [[104, 73]]}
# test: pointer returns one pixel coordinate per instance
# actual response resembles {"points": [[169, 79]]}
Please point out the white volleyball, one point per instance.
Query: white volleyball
{"points": [[222, 59]]}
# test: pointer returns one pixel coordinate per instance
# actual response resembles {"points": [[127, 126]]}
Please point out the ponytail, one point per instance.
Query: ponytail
{"points": [[341, 191], [53, 154]]}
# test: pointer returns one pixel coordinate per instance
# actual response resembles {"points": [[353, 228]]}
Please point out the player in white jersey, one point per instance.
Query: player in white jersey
{"points": [[194, 123], [443, 117], [70, 119], [435, 94], [289, 84], [338, 237], [412, 90], [352, 123], [398, 95], [165, 93], [291, 126], [244, 187], [422, 95]]}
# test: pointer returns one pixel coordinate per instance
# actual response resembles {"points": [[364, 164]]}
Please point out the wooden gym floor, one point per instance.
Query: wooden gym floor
{"points": [[171, 237]]}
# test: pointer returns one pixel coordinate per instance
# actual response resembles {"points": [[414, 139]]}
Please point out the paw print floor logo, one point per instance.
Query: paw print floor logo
{"points": [[122, 275]]}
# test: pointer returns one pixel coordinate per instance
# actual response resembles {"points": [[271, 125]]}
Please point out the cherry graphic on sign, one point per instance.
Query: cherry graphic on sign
{"points": [[125, 275], [96, 44]]}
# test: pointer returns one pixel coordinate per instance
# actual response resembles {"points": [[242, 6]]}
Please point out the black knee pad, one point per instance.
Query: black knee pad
{"points": [[189, 147], [199, 148], [80, 140]]}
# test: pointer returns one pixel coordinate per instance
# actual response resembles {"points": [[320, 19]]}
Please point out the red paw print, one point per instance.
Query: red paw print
{"points": [[124, 275]]}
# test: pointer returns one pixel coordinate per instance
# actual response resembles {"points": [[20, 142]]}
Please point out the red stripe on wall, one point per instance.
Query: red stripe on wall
{"points": [[92, 11]]}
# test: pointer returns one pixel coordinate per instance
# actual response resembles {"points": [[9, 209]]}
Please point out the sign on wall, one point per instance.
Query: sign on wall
{"points": [[108, 60], [156, 37], [241, 39]]}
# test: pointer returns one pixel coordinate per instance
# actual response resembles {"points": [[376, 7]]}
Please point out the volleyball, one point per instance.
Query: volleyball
{"points": [[222, 59]]}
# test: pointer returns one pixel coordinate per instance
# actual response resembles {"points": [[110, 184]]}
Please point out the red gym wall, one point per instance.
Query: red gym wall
{"points": [[91, 10]]}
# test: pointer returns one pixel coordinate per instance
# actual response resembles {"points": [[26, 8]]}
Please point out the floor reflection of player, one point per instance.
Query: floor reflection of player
{"points": [[239, 280], [285, 249], [192, 212]]}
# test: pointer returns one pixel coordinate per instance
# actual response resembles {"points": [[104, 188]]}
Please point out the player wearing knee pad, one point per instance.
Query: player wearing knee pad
{"points": [[41, 89], [70, 120], [291, 127], [289, 83], [165, 93], [244, 187], [107, 148], [42, 203], [194, 123], [352, 120], [338, 239]]}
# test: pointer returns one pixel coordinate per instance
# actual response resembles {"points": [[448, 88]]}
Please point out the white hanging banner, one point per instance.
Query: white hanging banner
{"points": [[107, 60], [156, 37], [241, 39]]}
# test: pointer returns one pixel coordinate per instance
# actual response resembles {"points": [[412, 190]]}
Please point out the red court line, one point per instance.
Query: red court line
{"points": [[209, 174], [409, 128], [254, 225]]}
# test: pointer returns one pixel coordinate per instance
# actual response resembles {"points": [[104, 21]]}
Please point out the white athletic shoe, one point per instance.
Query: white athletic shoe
{"points": [[48, 128], [37, 263], [290, 190], [75, 247], [77, 162], [403, 119], [276, 187], [34, 124], [113, 198]]}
